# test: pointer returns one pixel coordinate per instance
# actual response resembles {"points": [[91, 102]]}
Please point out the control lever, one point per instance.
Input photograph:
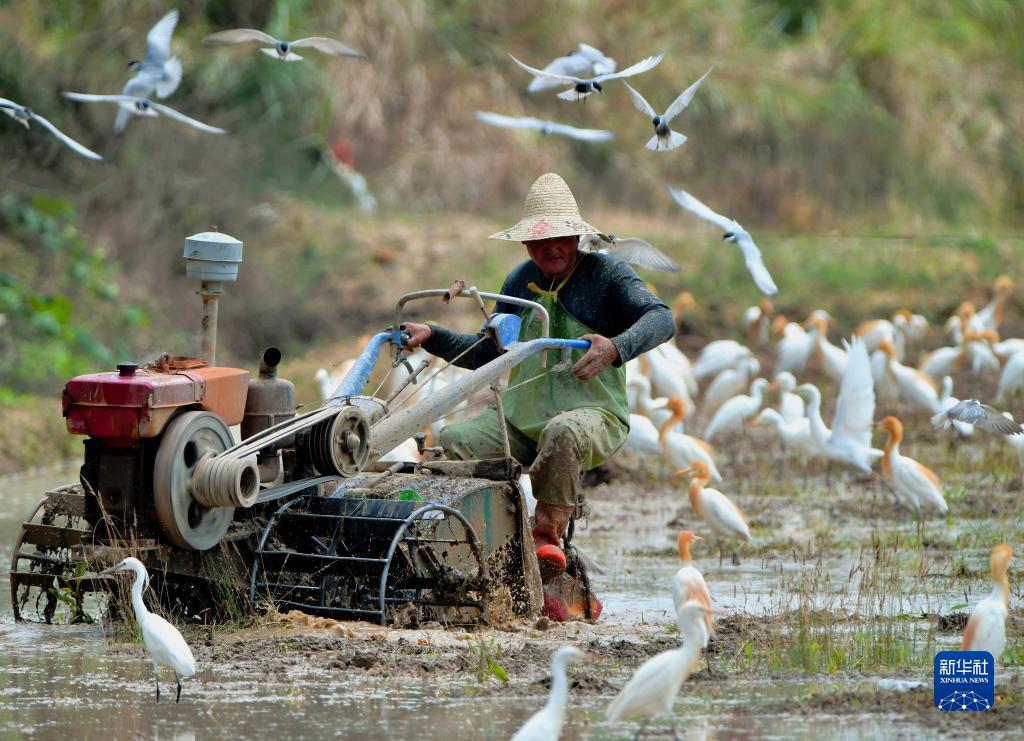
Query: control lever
{"points": [[420, 439]]}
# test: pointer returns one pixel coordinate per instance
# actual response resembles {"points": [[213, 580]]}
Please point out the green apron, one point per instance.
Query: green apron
{"points": [[556, 424], [531, 406]]}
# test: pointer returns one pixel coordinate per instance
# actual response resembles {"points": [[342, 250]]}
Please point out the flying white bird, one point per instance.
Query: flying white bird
{"points": [[973, 412], [602, 65], [162, 640], [546, 723], [653, 687], [849, 440], [281, 49], [23, 115], [584, 60], [631, 249], [144, 107], [581, 87], [158, 73], [664, 138], [545, 127], [733, 233], [948, 401]]}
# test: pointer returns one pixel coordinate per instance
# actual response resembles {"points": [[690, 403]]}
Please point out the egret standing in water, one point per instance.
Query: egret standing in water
{"points": [[547, 722], [163, 641], [653, 688], [986, 628]]}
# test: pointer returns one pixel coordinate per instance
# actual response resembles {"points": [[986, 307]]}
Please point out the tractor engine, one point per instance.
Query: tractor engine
{"points": [[146, 427], [149, 427]]}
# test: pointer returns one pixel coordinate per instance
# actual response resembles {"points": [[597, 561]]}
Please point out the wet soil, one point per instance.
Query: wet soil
{"points": [[840, 557]]}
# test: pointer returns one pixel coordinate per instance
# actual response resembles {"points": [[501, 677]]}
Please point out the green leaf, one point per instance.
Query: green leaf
{"points": [[52, 206], [497, 669]]}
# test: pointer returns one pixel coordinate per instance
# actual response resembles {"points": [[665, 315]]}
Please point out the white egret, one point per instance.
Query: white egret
{"points": [[718, 355], [833, 359], [653, 687], [941, 361], [849, 440], [874, 331], [688, 584], [729, 383], [677, 359], [795, 347], [757, 321], [978, 348], [915, 485], [682, 449], [666, 377], [643, 436], [992, 315], [722, 517], [162, 640], [887, 390], [791, 406], [986, 628], [796, 435], [1011, 380], [1006, 348], [546, 723], [732, 415]]}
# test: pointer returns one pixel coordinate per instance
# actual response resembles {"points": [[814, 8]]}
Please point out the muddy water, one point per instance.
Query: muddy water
{"points": [[74, 680]]}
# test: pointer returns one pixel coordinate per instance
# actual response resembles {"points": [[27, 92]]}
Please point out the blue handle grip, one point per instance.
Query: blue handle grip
{"points": [[577, 344]]}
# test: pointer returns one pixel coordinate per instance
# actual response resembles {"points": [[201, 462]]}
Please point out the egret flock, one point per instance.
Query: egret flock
{"points": [[724, 392]]}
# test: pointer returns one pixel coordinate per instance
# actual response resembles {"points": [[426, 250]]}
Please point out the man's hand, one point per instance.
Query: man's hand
{"points": [[601, 354], [418, 334]]}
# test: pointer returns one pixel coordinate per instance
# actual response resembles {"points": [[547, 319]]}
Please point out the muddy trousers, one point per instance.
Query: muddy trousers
{"points": [[570, 443]]}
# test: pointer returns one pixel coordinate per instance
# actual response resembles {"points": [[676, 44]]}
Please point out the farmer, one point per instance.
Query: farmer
{"points": [[559, 424]]}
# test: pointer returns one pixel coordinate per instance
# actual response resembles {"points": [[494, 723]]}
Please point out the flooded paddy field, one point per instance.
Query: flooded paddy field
{"points": [[833, 599]]}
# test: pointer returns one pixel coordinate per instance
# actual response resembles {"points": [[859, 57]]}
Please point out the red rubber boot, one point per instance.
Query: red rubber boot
{"points": [[551, 520]]}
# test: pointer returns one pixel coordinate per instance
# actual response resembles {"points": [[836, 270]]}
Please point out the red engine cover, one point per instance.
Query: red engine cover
{"points": [[111, 405]]}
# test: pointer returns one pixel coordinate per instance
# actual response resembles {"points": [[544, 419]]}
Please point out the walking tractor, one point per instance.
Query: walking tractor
{"points": [[233, 500]]}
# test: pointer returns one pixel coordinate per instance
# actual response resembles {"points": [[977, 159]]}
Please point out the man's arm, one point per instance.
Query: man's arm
{"points": [[447, 344], [651, 321]]}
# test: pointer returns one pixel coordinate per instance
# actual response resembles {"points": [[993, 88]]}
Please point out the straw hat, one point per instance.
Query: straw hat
{"points": [[549, 211]]}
